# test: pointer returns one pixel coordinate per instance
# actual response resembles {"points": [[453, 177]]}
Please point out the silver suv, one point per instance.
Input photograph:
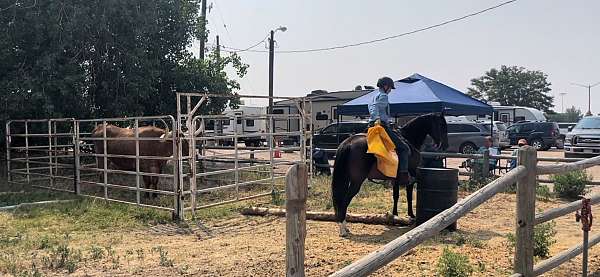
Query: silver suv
{"points": [[584, 139], [466, 137]]}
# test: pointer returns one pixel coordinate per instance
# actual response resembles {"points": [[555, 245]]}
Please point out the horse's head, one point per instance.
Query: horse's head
{"points": [[434, 125], [439, 131]]}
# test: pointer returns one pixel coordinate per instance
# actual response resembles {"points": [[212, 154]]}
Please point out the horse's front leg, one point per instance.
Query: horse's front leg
{"points": [[409, 195], [396, 185]]}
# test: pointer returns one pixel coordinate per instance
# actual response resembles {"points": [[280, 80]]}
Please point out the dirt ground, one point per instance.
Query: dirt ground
{"points": [[255, 246]]}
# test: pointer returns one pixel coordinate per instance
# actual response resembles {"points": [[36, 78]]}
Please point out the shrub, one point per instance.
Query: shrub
{"points": [[453, 264], [543, 238], [571, 185], [475, 182], [543, 192]]}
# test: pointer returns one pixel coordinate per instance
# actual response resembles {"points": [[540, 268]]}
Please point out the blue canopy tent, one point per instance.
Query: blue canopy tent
{"points": [[418, 94]]}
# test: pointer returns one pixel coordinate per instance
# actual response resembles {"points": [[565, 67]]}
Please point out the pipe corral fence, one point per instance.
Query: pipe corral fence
{"points": [[198, 162]]}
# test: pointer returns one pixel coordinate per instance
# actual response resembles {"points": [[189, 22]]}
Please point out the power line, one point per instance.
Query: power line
{"points": [[248, 49], [232, 49], [223, 21]]}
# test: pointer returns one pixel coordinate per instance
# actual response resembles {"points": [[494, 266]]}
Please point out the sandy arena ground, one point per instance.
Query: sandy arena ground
{"points": [[255, 246]]}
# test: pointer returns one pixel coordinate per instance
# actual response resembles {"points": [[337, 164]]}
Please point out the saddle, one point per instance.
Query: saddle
{"points": [[382, 147]]}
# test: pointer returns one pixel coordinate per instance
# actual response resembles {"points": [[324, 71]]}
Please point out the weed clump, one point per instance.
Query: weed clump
{"points": [[543, 239], [452, 264], [63, 257]]}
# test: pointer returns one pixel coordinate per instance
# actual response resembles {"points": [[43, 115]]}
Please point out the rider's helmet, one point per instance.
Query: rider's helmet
{"points": [[385, 81]]}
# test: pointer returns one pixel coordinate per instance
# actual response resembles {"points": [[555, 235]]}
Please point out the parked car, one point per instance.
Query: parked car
{"points": [[330, 137], [541, 135], [564, 129], [500, 128], [467, 137], [584, 139]]}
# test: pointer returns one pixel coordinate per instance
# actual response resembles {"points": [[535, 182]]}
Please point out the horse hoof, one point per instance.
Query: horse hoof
{"points": [[344, 231]]}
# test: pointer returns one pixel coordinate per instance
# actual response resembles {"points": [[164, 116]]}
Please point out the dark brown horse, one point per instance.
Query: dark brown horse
{"points": [[353, 164]]}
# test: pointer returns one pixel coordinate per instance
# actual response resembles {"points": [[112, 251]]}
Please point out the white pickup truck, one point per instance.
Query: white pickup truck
{"points": [[583, 140]]}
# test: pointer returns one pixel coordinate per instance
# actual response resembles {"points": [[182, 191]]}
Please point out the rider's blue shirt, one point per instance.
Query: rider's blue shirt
{"points": [[379, 108]]}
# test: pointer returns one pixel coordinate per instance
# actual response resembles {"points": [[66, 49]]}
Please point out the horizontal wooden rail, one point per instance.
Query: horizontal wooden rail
{"points": [[563, 210], [394, 249], [562, 257], [328, 216], [563, 168], [549, 181]]}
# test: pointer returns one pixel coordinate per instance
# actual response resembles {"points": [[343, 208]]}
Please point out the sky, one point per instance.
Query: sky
{"points": [[558, 37]]}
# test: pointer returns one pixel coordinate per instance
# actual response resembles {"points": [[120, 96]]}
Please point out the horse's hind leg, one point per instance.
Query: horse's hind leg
{"points": [[409, 196], [396, 195], [352, 191]]}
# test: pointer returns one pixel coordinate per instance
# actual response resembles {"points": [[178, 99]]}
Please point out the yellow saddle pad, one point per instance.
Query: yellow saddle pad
{"points": [[381, 145]]}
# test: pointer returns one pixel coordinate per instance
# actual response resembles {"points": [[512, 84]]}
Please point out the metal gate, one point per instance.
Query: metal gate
{"points": [[42, 151], [204, 167], [227, 168], [127, 183]]}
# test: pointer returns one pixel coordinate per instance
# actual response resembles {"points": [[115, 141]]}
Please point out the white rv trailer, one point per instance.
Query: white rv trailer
{"points": [[243, 125], [513, 114], [322, 106]]}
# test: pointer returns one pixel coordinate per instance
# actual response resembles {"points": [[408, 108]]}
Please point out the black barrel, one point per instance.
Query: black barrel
{"points": [[437, 190]]}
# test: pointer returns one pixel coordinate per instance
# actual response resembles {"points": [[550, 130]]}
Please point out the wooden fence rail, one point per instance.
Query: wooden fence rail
{"points": [[562, 257], [562, 168], [564, 210]]}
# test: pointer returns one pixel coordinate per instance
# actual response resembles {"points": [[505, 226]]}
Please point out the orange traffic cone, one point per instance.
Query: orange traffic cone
{"points": [[277, 152]]}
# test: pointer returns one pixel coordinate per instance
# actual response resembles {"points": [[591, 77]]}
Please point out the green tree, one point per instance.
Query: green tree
{"points": [[571, 114], [104, 58], [513, 86]]}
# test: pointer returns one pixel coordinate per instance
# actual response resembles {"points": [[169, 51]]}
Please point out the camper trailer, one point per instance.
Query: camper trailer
{"points": [[512, 114], [242, 126], [322, 106]]}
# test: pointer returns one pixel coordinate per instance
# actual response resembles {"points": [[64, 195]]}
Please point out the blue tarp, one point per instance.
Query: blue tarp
{"points": [[418, 94]]}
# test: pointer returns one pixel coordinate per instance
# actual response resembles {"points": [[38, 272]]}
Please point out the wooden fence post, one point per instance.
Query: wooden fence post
{"points": [[527, 156], [485, 165], [296, 181]]}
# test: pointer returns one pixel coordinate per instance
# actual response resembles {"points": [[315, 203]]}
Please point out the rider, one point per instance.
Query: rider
{"points": [[379, 109]]}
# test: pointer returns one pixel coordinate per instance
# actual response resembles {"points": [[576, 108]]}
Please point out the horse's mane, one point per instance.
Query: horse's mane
{"points": [[418, 118], [412, 132]]}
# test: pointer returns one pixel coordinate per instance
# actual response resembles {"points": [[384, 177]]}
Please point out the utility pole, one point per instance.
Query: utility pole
{"points": [[218, 48], [562, 99], [271, 56], [589, 87], [202, 38]]}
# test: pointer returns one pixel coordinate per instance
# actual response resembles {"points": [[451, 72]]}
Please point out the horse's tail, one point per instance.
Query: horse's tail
{"points": [[340, 180]]}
